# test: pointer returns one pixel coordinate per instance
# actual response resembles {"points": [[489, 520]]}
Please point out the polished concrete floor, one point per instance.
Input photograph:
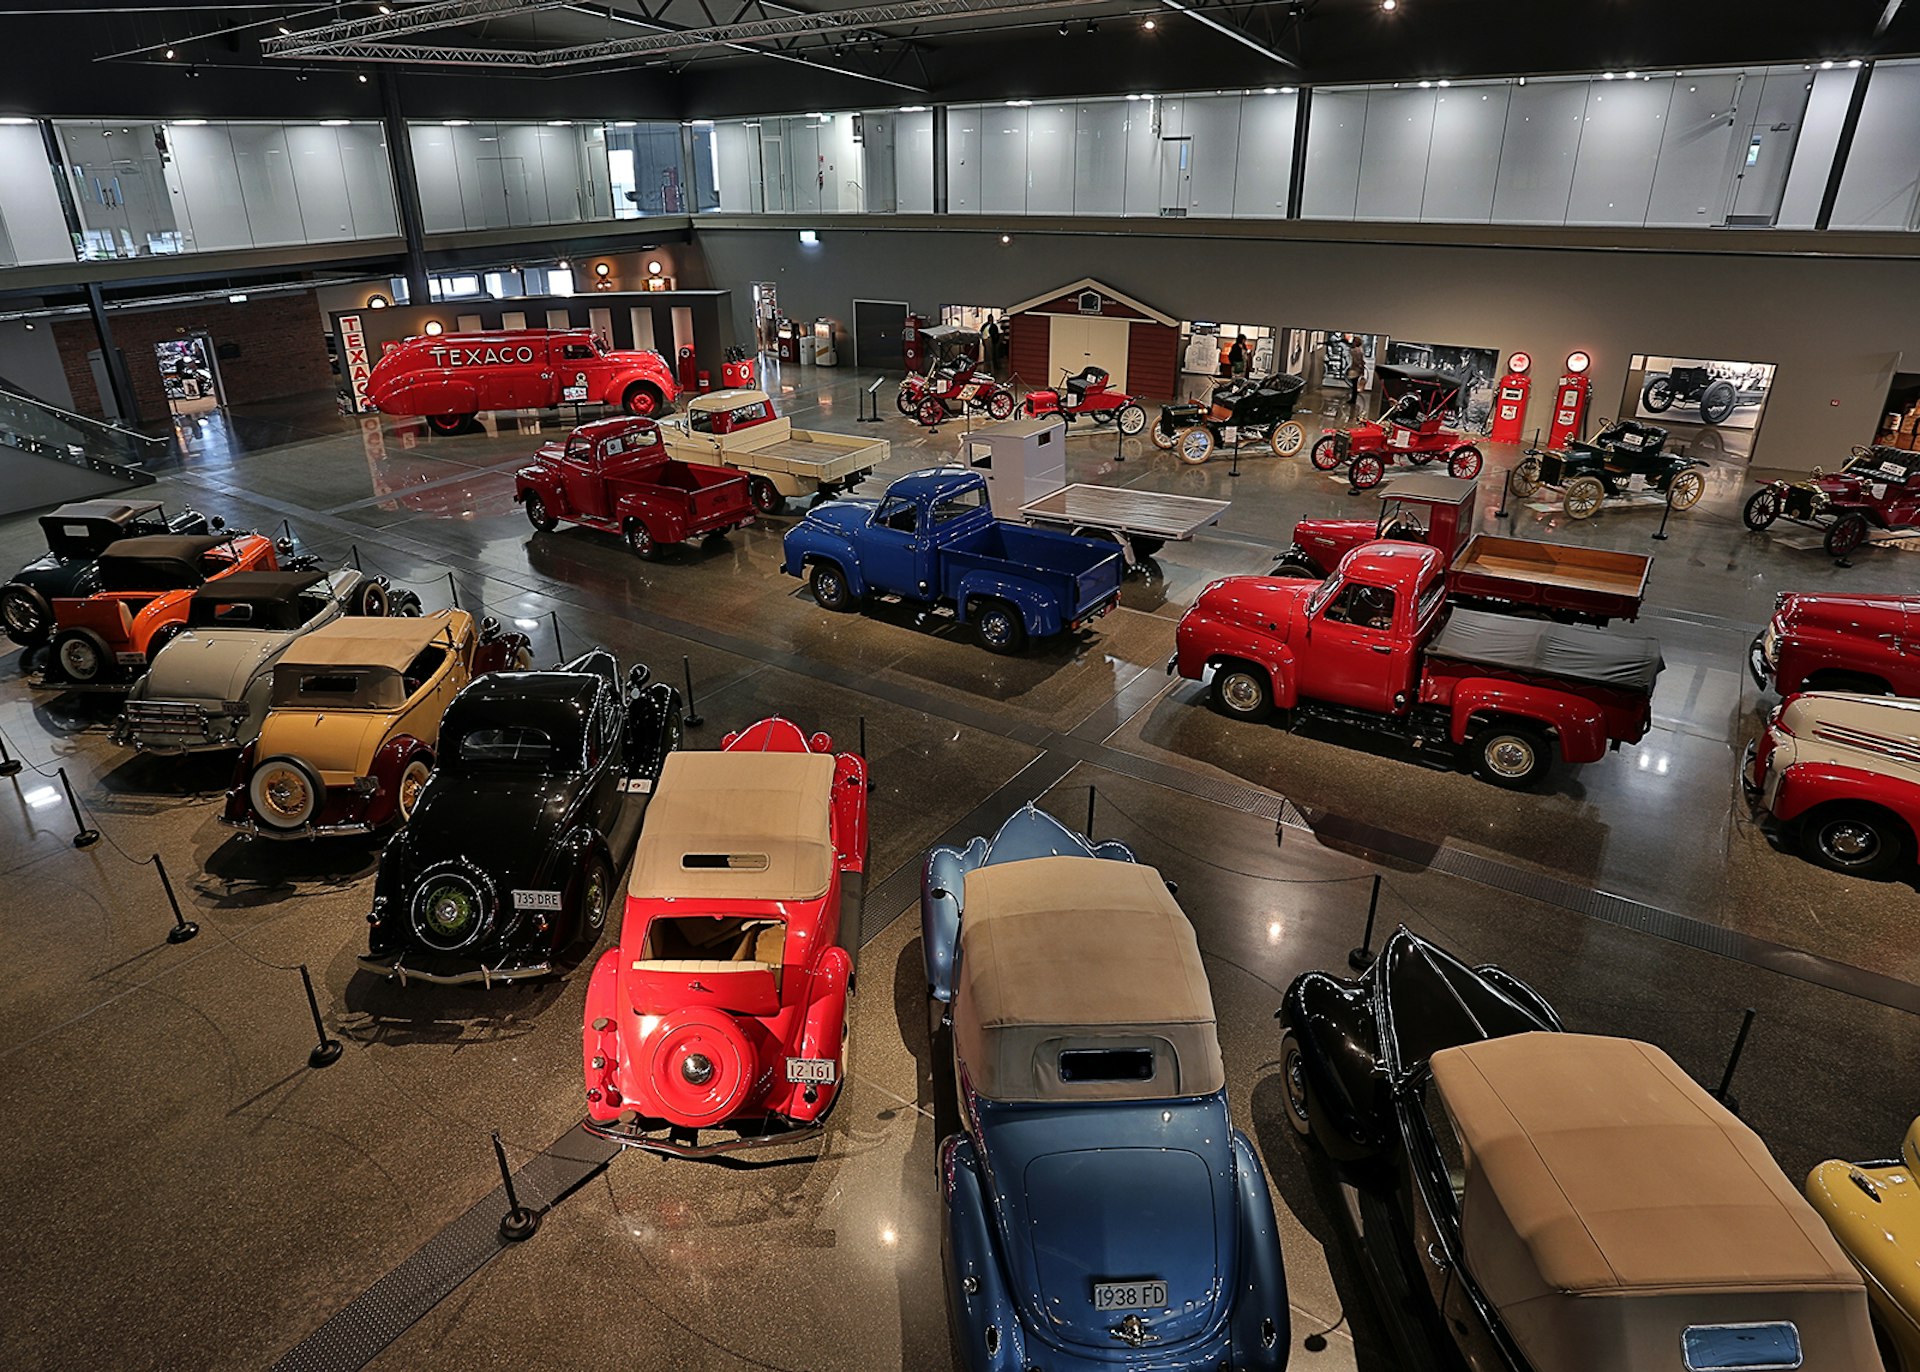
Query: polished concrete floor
{"points": [[188, 1192]]}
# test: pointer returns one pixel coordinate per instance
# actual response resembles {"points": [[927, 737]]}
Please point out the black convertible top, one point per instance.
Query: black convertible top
{"points": [[163, 547], [157, 562]]}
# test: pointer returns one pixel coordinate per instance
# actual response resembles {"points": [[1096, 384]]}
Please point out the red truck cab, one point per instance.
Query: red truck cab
{"points": [[1867, 644], [615, 475], [1378, 644], [449, 378]]}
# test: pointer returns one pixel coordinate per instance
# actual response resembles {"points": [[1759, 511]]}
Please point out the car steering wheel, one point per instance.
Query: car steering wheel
{"points": [[1404, 526]]}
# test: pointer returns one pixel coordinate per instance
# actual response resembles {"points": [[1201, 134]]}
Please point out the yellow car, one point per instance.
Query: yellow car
{"points": [[353, 721], [1874, 1210]]}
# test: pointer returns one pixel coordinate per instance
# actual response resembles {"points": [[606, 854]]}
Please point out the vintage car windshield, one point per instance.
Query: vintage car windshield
{"points": [[1319, 597], [337, 688], [507, 745]]}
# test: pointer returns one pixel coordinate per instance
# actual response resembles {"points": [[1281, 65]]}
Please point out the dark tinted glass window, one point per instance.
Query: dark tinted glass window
{"points": [[1106, 1064]]}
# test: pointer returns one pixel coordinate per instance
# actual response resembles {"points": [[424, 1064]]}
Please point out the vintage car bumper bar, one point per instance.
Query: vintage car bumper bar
{"points": [[1757, 662], [39, 681], [633, 1136], [396, 969], [252, 828]]}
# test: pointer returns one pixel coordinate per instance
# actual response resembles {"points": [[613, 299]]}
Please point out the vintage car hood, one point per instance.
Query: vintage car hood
{"points": [[1874, 1210], [1878, 734], [213, 667], [1117, 1192], [330, 740], [1267, 604], [843, 516], [509, 824], [1030, 832], [1871, 614], [1329, 538]]}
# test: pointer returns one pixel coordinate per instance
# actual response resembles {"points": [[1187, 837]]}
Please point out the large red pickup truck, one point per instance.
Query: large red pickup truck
{"points": [[1379, 645], [1562, 581], [1868, 644], [614, 474], [451, 377]]}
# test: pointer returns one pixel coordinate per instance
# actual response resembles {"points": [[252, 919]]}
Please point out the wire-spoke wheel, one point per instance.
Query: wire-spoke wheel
{"points": [[1584, 496]]}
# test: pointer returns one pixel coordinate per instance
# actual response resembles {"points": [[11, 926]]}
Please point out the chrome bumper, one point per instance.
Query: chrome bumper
{"points": [[1757, 663], [253, 829], [1751, 787], [397, 970]]}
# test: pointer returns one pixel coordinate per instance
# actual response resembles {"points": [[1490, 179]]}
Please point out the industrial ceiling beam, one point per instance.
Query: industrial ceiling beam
{"points": [[333, 49], [661, 25], [438, 14], [1237, 34]]}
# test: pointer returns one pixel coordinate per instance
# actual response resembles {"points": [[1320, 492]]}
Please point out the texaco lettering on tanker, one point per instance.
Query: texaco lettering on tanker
{"points": [[469, 357]]}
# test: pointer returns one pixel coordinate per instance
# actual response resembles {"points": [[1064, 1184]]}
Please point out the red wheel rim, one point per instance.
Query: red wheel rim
{"points": [[698, 1036], [1367, 472], [640, 402]]}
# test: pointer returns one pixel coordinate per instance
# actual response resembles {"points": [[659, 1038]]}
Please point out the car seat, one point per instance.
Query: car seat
{"points": [[1088, 379]]}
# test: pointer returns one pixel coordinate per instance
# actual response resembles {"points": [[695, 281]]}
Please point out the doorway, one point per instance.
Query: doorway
{"points": [[1176, 177], [878, 326], [189, 374], [1077, 341]]}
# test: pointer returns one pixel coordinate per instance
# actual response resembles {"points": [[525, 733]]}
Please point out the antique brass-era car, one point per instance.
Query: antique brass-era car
{"points": [[1873, 1208], [1536, 1200], [354, 721], [1589, 472], [1877, 488]]}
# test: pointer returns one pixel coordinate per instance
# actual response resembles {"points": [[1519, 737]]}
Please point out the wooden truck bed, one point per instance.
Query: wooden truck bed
{"points": [[1595, 581], [1147, 514], [813, 456]]}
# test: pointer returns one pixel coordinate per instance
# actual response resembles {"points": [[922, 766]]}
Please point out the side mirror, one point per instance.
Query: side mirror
{"points": [[638, 677], [216, 523], [821, 743]]}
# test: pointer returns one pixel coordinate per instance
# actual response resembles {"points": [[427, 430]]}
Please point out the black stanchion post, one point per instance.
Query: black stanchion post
{"points": [[559, 648], [1660, 534], [1362, 957], [327, 1051], [83, 837], [519, 1223], [692, 717], [1724, 1092], [1119, 443], [183, 928], [287, 526], [1234, 470], [863, 739], [9, 764], [1092, 795], [453, 591], [353, 550]]}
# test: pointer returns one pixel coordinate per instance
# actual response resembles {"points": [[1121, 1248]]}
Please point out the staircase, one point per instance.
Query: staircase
{"points": [[49, 455]]}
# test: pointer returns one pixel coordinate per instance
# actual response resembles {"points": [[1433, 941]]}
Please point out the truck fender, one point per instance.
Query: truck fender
{"points": [[1348, 1096], [1227, 641], [978, 1302], [942, 884], [1579, 724], [664, 524], [1262, 1324], [804, 546], [1808, 784], [535, 479], [850, 811], [1040, 611]]}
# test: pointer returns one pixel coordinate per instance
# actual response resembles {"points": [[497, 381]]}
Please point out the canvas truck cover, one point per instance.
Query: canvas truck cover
{"points": [[1627, 662], [1615, 1213], [1073, 953]]}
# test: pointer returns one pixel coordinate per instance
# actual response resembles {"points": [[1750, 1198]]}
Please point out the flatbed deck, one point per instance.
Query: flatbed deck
{"points": [[1147, 514]]}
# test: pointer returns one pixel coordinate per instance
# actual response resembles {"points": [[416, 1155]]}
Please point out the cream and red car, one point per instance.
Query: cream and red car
{"points": [[1841, 774], [1873, 1208], [354, 719]]}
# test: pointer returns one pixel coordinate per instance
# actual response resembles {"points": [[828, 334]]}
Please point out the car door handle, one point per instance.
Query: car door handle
{"points": [[1436, 1257], [1380, 647]]}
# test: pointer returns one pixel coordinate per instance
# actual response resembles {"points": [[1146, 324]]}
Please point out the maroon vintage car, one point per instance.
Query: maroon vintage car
{"points": [[614, 474], [1867, 644], [1878, 488], [451, 377]]}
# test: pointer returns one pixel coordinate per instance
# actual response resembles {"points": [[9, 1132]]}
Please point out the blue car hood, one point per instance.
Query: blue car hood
{"points": [[1123, 1195], [843, 516]]}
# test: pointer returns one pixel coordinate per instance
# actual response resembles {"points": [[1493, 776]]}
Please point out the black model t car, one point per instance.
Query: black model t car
{"points": [[1718, 393], [1259, 408], [76, 536], [507, 860], [1592, 471]]}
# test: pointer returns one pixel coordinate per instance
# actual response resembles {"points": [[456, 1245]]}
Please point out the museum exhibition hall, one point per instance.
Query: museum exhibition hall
{"points": [[1001, 685]]}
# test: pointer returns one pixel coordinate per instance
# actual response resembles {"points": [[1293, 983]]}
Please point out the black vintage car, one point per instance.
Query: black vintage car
{"points": [[1255, 408], [1592, 471], [76, 536], [507, 861], [1354, 1059]]}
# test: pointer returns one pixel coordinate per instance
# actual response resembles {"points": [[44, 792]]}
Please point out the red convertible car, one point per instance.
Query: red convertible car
{"points": [[451, 377], [725, 1004]]}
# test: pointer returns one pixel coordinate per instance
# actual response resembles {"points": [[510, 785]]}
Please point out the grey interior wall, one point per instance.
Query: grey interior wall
{"points": [[1832, 326], [30, 360]]}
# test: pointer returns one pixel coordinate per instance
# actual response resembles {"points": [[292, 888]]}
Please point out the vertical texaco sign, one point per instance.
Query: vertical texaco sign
{"points": [[353, 352]]}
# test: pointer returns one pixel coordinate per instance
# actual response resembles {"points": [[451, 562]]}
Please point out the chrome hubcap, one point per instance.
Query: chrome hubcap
{"points": [[1242, 692], [1510, 757], [1296, 1088], [20, 614], [78, 659], [697, 1069], [1849, 842]]}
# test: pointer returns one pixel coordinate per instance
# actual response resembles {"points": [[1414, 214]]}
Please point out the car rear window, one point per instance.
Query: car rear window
{"points": [[507, 745], [1741, 1347], [317, 688], [1106, 1064]]}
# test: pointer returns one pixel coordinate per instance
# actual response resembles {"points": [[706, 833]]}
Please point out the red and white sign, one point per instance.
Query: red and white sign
{"points": [[353, 356]]}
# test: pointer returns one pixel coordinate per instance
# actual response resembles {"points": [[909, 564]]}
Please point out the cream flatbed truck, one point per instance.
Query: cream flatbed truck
{"points": [[739, 429], [1024, 462]]}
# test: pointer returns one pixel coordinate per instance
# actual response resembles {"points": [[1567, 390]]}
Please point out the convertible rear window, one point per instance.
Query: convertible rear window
{"points": [[726, 862], [1741, 1347], [309, 688], [513, 745], [1106, 1064]]}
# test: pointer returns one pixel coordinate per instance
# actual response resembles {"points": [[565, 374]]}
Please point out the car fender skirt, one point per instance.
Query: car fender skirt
{"points": [[1348, 1098], [1041, 613], [1807, 784], [978, 1302], [941, 886], [1580, 724], [1262, 1329]]}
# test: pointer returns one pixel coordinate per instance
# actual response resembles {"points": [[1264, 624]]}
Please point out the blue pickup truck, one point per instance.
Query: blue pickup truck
{"points": [[933, 540]]}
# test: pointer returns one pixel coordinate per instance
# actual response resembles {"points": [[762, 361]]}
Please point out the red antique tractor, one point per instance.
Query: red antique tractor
{"points": [[1417, 400], [954, 387], [1090, 394]]}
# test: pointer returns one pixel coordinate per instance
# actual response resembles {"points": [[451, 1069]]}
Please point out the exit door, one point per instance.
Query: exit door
{"points": [[1176, 177], [1079, 341], [878, 326]]}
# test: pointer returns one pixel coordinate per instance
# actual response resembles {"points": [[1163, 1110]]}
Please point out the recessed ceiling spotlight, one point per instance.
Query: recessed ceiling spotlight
{"points": [[1825, 66], [1853, 62], [1426, 85], [169, 54], [1287, 90], [455, 123], [363, 78], [1268, 90], [1633, 76], [1006, 238], [559, 123], [434, 328], [335, 123], [285, 32], [185, 124], [1606, 76], [1445, 84], [1150, 26], [1389, 5]]}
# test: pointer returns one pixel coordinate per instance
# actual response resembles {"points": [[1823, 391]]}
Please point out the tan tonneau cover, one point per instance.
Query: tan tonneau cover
{"points": [[746, 826], [1073, 953], [1611, 1203], [356, 641]]}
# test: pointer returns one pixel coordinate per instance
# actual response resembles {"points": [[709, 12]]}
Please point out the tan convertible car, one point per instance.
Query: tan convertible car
{"points": [[354, 719]]}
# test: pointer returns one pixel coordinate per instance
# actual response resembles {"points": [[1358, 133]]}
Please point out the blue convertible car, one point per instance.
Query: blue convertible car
{"points": [[1101, 1210]]}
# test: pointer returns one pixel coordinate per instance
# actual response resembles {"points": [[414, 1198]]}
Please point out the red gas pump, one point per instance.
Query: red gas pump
{"points": [[689, 370], [1570, 402], [913, 345], [1510, 400]]}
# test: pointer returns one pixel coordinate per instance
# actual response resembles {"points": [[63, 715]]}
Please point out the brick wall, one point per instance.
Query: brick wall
{"points": [[281, 341]]}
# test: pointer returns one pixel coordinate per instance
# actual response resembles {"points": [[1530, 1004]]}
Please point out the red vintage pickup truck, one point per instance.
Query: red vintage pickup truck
{"points": [[449, 378], [614, 474], [1379, 645], [1868, 644]]}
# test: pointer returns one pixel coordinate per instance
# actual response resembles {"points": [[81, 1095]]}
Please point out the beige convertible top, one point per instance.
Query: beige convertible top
{"points": [[750, 826], [355, 641], [1611, 1204], [1066, 955]]}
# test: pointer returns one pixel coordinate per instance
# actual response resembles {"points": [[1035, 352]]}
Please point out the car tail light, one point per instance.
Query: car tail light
{"points": [[593, 1094]]}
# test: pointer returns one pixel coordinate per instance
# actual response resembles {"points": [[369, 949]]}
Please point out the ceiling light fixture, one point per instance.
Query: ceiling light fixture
{"points": [[1266, 90], [1006, 238], [14, 119], [602, 270], [1853, 62], [1606, 76], [623, 123], [434, 328], [1825, 66], [559, 123], [1445, 84], [1633, 76], [1426, 85], [455, 123], [1389, 5], [169, 54], [189, 123], [1150, 26], [363, 78], [335, 123]]}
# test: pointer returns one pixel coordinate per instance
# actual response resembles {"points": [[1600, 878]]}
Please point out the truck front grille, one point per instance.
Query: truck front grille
{"points": [[1342, 444]]}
